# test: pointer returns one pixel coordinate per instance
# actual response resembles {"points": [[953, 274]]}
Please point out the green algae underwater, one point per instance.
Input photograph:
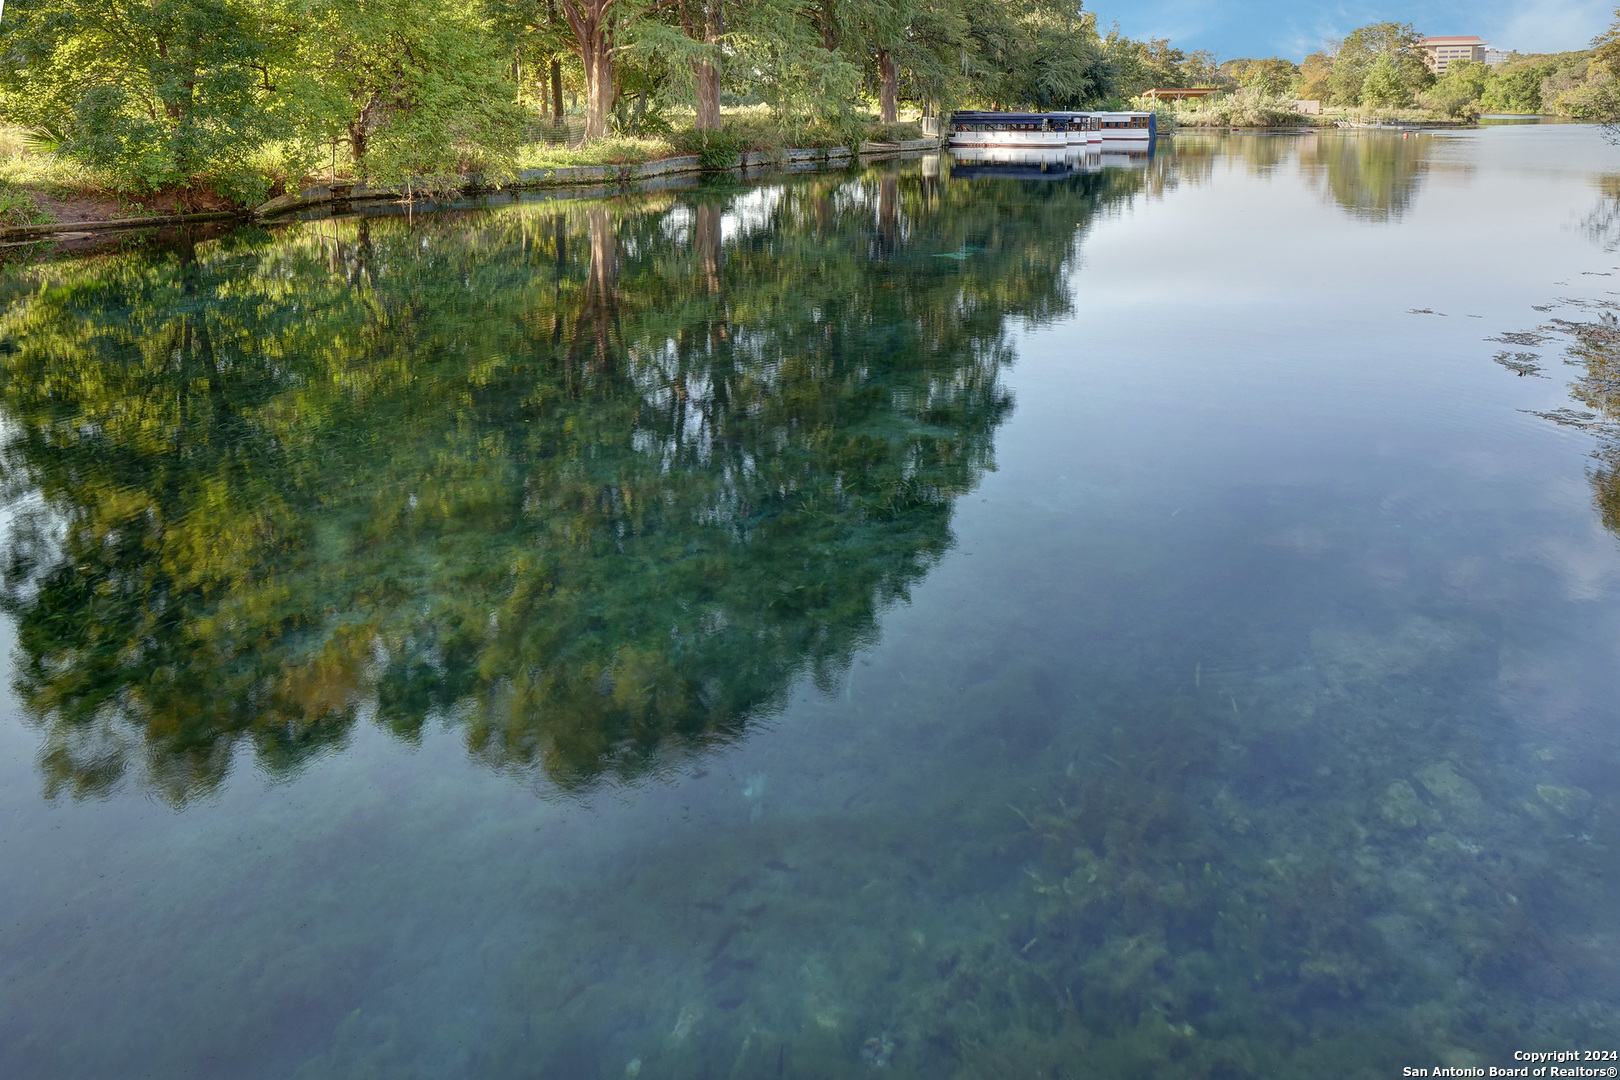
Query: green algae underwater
{"points": [[708, 633]]}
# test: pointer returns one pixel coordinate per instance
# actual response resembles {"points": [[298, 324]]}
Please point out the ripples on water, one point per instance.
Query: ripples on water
{"points": [[893, 622]]}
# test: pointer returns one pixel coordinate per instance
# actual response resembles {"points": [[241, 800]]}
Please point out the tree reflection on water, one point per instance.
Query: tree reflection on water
{"points": [[595, 481]]}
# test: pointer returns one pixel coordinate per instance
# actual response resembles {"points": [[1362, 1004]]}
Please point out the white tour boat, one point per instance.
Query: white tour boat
{"points": [[1013, 131], [971, 129], [1120, 127]]}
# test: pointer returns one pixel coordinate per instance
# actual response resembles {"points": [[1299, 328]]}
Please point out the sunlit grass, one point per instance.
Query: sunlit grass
{"points": [[754, 128], [614, 150], [25, 163]]}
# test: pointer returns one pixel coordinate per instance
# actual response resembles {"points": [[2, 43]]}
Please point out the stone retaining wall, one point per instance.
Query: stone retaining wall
{"points": [[576, 175], [528, 179]]}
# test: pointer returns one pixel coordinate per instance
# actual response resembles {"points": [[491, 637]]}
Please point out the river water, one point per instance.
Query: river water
{"points": [[1149, 620]]}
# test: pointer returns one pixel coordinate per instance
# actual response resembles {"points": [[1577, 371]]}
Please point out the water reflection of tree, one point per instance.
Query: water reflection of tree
{"points": [[1374, 177], [1603, 223], [596, 482], [1592, 344]]}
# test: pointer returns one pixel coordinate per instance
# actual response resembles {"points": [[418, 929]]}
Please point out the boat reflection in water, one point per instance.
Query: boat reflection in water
{"points": [[968, 163]]}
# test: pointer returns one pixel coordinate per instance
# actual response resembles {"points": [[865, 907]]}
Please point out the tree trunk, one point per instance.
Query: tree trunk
{"points": [[594, 24], [598, 90], [708, 70], [556, 92], [889, 95]]}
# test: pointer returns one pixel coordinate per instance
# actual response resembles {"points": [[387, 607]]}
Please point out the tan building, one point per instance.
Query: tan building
{"points": [[1440, 51]]}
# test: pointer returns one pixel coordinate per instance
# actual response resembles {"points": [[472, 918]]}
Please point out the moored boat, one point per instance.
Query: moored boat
{"points": [[973, 129], [1082, 128], [1021, 131], [1127, 126]]}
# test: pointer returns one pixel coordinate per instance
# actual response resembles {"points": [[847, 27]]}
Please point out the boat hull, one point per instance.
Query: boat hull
{"points": [[1009, 140]]}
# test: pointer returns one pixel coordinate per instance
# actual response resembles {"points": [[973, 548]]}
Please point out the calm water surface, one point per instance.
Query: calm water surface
{"points": [[1157, 621]]}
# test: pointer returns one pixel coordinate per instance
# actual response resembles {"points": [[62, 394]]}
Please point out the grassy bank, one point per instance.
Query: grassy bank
{"points": [[745, 129], [1372, 117], [1242, 111], [38, 187], [1239, 110]]}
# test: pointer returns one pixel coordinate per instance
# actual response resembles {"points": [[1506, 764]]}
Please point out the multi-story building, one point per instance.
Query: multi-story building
{"points": [[1498, 56], [1440, 51]]}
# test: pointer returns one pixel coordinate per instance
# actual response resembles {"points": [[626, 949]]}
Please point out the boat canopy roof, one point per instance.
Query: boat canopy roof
{"points": [[1006, 117], [1030, 117]]}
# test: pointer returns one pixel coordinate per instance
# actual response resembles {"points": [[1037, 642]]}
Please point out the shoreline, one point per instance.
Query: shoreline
{"points": [[606, 177], [601, 180]]}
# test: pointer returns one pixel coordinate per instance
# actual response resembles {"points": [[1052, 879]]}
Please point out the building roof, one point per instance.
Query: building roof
{"points": [[1455, 41]]}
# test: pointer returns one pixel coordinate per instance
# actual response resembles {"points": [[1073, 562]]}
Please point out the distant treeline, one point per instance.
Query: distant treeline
{"points": [[1382, 66], [235, 96]]}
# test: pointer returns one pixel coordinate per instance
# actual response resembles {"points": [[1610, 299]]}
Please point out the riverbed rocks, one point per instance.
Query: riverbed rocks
{"points": [[1399, 806], [1570, 803]]}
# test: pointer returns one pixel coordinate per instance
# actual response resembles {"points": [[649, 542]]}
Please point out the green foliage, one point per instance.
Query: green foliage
{"points": [[1516, 88], [1037, 54], [155, 93], [21, 208], [1394, 49], [410, 86], [1581, 85], [1141, 65], [1243, 109], [1457, 92], [715, 150], [614, 150], [1271, 77], [636, 118], [225, 100], [1381, 86], [1316, 77]]}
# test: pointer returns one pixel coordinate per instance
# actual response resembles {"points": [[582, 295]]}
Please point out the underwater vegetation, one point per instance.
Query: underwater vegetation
{"points": [[1303, 871]]}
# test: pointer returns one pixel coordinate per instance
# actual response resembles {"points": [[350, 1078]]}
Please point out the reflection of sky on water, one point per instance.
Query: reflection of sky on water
{"points": [[1245, 726]]}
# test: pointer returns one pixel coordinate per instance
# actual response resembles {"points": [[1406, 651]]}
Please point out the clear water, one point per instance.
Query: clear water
{"points": [[1158, 622]]}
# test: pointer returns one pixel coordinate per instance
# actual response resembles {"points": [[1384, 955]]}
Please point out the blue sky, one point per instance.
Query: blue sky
{"points": [[1234, 28]]}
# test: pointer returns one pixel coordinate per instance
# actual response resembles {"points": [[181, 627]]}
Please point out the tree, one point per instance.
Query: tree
{"points": [[161, 94], [1403, 74], [1272, 76], [1381, 85], [706, 22], [1142, 65], [415, 88], [1516, 88], [1042, 54], [601, 28], [1316, 77], [1457, 92], [916, 42], [534, 33]]}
